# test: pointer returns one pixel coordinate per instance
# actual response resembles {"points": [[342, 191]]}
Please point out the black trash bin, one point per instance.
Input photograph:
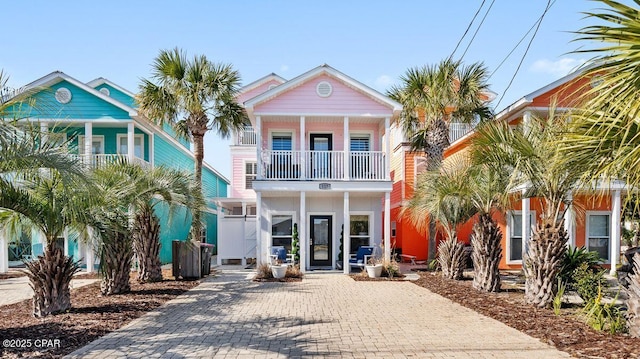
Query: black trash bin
{"points": [[206, 250]]}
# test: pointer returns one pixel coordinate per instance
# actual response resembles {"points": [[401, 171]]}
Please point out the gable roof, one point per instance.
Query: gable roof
{"points": [[58, 76], [270, 77], [101, 80], [330, 71]]}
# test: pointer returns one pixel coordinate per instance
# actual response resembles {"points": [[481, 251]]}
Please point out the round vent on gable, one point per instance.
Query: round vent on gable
{"points": [[272, 86], [63, 95], [324, 89], [105, 91]]}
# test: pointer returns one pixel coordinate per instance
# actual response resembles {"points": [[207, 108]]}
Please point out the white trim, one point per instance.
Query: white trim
{"points": [[379, 116], [319, 132], [331, 255], [102, 81], [294, 216], [259, 82], [244, 172], [357, 133], [372, 225], [125, 136], [586, 231], [509, 215], [82, 145], [271, 131]]}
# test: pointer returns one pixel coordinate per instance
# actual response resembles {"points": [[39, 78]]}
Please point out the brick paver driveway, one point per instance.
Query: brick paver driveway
{"points": [[325, 315]]}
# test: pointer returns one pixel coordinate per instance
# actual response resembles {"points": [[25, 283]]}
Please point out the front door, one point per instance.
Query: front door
{"points": [[320, 241], [321, 145]]}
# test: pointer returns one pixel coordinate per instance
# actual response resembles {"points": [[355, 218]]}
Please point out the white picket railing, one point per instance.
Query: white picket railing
{"points": [[246, 137], [459, 130], [323, 165], [102, 160]]}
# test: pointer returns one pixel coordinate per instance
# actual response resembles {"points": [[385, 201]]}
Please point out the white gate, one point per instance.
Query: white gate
{"points": [[236, 239]]}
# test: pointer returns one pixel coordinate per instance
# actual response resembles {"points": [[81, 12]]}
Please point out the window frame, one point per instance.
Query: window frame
{"points": [[246, 175], [272, 236], [370, 235], [81, 139], [120, 136], [510, 236], [588, 214], [276, 132]]}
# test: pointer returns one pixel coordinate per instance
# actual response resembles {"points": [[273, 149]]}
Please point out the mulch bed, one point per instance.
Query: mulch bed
{"points": [[284, 280], [359, 277], [91, 316], [566, 332], [12, 274]]}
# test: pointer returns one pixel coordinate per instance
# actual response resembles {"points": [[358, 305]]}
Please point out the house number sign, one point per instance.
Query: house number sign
{"points": [[324, 185]]}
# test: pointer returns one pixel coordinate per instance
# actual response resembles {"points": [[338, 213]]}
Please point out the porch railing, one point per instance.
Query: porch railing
{"points": [[323, 165], [102, 160], [246, 137], [459, 130]]}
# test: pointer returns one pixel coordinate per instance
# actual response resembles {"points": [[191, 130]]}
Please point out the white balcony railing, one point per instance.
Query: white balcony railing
{"points": [[323, 165], [246, 137], [102, 160], [459, 130]]}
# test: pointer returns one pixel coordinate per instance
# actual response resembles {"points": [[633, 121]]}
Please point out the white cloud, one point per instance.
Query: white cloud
{"points": [[383, 82], [560, 67], [284, 68]]}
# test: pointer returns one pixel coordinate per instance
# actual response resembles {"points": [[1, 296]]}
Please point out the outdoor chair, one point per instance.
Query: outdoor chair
{"points": [[279, 253], [361, 257]]}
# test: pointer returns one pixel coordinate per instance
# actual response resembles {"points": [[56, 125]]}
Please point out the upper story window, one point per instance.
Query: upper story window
{"points": [[97, 145], [250, 173], [138, 145], [360, 142], [281, 141]]}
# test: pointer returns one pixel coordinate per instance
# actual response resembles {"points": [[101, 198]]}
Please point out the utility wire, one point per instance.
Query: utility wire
{"points": [[549, 3], [478, 29], [518, 44], [468, 27]]}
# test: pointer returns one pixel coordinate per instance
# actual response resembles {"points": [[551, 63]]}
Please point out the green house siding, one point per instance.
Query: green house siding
{"points": [[169, 130], [167, 154], [118, 95], [211, 221], [83, 105]]}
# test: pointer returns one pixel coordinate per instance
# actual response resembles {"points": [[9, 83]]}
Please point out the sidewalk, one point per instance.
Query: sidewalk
{"points": [[325, 315], [17, 289]]}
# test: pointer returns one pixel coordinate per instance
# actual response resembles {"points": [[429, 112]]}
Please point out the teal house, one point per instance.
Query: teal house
{"points": [[100, 120]]}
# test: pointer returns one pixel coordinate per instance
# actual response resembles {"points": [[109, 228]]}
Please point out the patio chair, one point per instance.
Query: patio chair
{"points": [[279, 253], [361, 257]]}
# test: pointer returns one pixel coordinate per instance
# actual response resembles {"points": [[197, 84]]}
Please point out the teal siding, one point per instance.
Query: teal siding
{"points": [[118, 95], [83, 105], [167, 154], [210, 184], [173, 226], [169, 130], [211, 221], [72, 240]]}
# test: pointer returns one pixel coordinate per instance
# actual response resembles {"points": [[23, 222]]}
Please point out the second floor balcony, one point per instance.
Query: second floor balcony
{"points": [[323, 165], [101, 160]]}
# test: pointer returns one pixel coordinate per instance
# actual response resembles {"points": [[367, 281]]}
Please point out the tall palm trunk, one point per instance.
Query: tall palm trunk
{"points": [[50, 276], [146, 243], [633, 301], [487, 253], [115, 262], [198, 153], [434, 146], [451, 258], [543, 261]]}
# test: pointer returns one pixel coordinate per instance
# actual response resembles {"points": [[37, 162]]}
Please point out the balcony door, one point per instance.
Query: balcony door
{"points": [[320, 241], [321, 144]]}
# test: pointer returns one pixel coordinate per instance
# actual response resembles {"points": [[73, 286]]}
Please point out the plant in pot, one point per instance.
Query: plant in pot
{"points": [[340, 252], [295, 245], [374, 267], [279, 269]]}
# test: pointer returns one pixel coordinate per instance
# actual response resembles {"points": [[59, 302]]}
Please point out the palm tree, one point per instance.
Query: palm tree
{"points": [[443, 196], [49, 205], [489, 189], [605, 131], [435, 96], [530, 153], [194, 97]]}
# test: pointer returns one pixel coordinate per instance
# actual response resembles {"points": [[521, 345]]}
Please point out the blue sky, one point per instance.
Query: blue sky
{"points": [[371, 41]]}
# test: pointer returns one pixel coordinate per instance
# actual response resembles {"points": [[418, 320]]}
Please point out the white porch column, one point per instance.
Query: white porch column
{"points": [[347, 152], [130, 142], [302, 232], [526, 223], [4, 252], [387, 226], [44, 130], [615, 230], [303, 148], [259, 250], [387, 148], [346, 234], [89, 256], [88, 142], [66, 241], [526, 121], [568, 225], [259, 150]]}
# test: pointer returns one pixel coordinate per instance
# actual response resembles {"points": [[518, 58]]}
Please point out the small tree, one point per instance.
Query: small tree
{"points": [[295, 245]]}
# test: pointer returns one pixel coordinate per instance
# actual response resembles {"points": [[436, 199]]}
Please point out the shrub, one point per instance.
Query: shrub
{"points": [[574, 258], [588, 282], [557, 300], [264, 271], [293, 272], [391, 268], [604, 316]]}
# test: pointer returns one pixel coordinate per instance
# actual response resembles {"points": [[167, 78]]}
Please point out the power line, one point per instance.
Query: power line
{"points": [[518, 44], [549, 3], [478, 29], [468, 27]]}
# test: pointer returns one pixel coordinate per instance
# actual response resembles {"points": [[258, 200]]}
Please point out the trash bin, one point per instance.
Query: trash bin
{"points": [[206, 250]]}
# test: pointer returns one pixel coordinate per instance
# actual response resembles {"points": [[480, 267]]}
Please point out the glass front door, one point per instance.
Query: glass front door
{"points": [[321, 145], [320, 241]]}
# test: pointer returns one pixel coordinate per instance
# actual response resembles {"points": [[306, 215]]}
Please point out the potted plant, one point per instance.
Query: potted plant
{"points": [[279, 270], [340, 253], [374, 267]]}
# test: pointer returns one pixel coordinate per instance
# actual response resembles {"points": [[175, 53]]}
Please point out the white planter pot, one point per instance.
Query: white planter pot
{"points": [[374, 271], [279, 271]]}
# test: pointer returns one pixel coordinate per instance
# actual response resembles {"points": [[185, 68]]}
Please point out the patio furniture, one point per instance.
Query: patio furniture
{"points": [[361, 257], [279, 253]]}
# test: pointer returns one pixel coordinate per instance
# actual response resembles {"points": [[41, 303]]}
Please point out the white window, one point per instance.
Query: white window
{"points": [[281, 141], [250, 173], [360, 142], [97, 145], [138, 145], [359, 231], [599, 233], [282, 230], [514, 244]]}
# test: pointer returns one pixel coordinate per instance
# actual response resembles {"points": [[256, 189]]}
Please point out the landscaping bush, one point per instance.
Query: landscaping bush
{"points": [[588, 282], [574, 258]]}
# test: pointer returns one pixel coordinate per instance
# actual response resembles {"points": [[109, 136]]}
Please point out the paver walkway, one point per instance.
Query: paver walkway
{"points": [[17, 289], [325, 315]]}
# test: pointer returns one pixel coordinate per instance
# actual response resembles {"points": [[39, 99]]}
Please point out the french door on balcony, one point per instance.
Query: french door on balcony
{"points": [[321, 144]]}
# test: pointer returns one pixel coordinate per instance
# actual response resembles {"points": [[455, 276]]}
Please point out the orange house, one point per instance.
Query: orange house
{"points": [[597, 227]]}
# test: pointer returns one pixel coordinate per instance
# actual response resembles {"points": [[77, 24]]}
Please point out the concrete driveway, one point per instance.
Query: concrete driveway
{"points": [[325, 315]]}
